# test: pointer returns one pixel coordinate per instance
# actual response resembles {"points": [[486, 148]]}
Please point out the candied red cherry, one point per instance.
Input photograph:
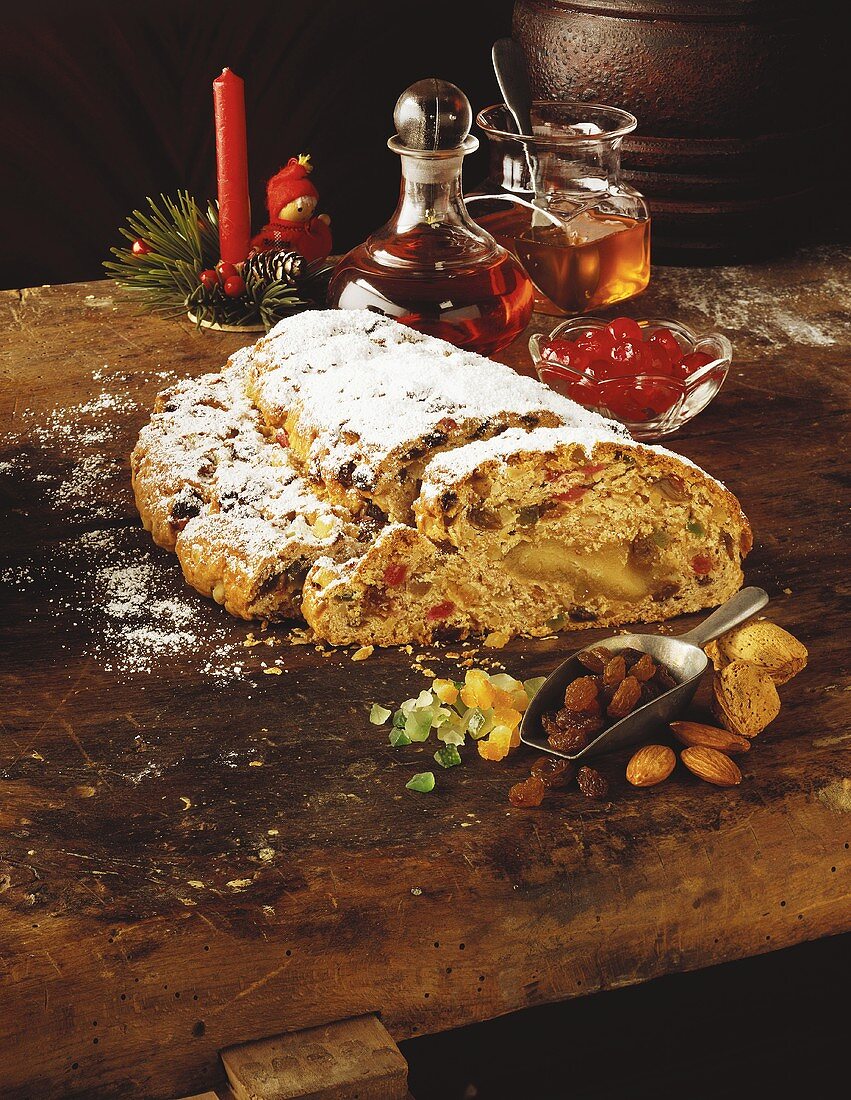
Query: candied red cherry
{"points": [[663, 338], [619, 397], [440, 611], [584, 392], [627, 359], [692, 362], [566, 354], [625, 329], [657, 360], [600, 369], [597, 342], [395, 574], [658, 395], [556, 351]]}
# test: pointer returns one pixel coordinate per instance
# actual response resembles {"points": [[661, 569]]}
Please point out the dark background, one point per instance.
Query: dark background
{"points": [[105, 103]]}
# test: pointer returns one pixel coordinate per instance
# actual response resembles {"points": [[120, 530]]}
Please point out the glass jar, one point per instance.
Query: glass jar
{"points": [[556, 200]]}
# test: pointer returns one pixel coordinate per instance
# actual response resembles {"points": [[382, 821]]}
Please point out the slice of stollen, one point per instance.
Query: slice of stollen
{"points": [[538, 531]]}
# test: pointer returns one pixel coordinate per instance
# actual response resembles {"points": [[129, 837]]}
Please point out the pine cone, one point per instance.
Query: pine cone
{"points": [[279, 265]]}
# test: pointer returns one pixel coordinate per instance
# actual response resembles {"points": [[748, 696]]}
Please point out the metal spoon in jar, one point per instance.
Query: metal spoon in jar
{"points": [[512, 76], [682, 656]]}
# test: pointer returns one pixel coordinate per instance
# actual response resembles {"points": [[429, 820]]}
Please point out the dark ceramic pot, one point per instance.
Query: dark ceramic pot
{"points": [[735, 102]]}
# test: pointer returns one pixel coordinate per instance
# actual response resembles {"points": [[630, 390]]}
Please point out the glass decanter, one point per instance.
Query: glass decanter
{"points": [[431, 266], [556, 199]]}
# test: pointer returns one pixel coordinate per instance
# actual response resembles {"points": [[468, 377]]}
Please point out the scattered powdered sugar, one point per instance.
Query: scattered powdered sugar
{"points": [[85, 478], [745, 303], [19, 577], [90, 423], [140, 615]]}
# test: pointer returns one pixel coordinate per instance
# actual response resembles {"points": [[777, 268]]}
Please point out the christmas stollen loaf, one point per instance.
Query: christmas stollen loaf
{"points": [[399, 489]]}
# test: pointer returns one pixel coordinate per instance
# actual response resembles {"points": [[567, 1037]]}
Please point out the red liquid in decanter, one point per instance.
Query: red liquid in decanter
{"points": [[430, 266], [480, 305]]}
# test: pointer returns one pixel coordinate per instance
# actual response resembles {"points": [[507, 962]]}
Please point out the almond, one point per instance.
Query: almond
{"points": [[763, 644], [711, 766], [651, 765], [745, 698], [696, 733]]}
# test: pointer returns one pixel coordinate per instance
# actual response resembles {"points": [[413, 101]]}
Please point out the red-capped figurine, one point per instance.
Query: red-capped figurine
{"points": [[291, 199]]}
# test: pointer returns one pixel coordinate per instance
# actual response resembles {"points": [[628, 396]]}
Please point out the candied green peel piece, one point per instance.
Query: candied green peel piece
{"points": [[448, 756], [422, 782], [379, 715]]}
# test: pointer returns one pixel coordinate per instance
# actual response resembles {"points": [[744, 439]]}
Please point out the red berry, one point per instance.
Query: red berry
{"points": [[701, 564], [440, 611], [624, 328], [140, 247], [693, 362], [234, 286], [395, 574], [209, 279], [225, 270], [665, 339]]}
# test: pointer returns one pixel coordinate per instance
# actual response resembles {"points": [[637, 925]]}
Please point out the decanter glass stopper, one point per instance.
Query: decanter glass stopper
{"points": [[433, 115]]}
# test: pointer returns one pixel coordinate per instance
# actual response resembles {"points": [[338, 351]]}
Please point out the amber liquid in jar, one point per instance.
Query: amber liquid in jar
{"points": [[594, 261], [481, 306]]}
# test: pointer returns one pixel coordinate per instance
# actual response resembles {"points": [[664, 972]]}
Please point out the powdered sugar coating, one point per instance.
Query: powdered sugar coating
{"points": [[447, 468], [309, 450], [371, 390], [207, 448]]}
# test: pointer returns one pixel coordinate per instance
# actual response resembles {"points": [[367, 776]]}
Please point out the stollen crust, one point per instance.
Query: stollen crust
{"points": [[392, 488]]}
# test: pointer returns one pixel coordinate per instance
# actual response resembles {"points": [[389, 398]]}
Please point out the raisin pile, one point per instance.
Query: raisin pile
{"points": [[615, 684]]}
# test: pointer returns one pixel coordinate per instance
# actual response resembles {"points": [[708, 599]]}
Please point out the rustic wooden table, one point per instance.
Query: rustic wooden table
{"points": [[195, 851]]}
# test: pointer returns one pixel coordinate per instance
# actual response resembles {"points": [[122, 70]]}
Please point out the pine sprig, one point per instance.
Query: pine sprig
{"points": [[184, 241]]}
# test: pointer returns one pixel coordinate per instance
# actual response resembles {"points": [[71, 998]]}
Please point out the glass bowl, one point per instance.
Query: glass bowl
{"points": [[649, 405]]}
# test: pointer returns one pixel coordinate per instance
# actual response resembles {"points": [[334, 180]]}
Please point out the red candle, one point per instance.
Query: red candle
{"points": [[232, 167]]}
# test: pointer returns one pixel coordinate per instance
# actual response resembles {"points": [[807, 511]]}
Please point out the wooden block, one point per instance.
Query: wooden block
{"points": [[349, 1060]]}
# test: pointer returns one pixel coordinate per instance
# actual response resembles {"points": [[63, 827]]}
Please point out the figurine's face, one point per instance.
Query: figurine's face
{"points": [[299, 210]]}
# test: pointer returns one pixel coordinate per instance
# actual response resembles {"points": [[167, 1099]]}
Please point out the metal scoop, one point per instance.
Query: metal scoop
{"points": [[683, 657]]}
